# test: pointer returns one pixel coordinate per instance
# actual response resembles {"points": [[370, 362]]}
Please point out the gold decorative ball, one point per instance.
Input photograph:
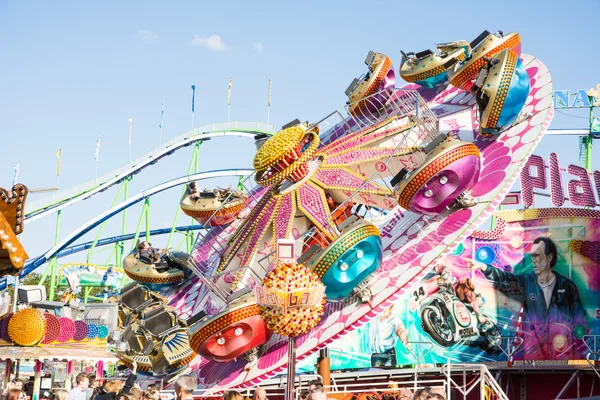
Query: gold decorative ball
{"points": [[277, 147], [289, 278], [27, 327]]}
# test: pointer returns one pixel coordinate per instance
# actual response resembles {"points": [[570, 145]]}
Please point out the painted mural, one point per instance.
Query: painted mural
{"points": [[527, 289]]}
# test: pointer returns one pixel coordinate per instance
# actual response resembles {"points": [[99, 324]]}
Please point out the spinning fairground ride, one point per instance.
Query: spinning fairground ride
{"points": [[366, 198]]}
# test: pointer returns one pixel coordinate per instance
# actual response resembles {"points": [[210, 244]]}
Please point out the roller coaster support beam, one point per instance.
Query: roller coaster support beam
{"points": [[91, 250], [138, 230], [193, 164], [122, 244]]}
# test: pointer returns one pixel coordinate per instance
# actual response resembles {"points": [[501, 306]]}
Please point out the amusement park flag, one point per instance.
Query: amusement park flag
{"points": [[193, 95], [58, 154], [229, 93], [97, 153]]}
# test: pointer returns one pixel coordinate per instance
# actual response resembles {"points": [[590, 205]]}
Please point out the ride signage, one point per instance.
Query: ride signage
{"points": [[580, 189], [305, 297]]}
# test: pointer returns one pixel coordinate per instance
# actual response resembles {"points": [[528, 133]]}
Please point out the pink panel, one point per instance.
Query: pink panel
{"points": [[530, 182], [262, 224], [359, 156], [312, 202], [557, 194], [342, 179], [580, 191], [285, 216]]}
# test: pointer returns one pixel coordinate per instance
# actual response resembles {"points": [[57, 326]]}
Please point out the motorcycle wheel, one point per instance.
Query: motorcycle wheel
{"points": [[491, 340], [432, 325]]}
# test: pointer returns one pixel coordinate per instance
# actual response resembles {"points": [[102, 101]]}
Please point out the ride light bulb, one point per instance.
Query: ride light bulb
{"points": [[344, 267], [238, 331], [359, 254], [428, 193], [443, 179], [221, 341]]}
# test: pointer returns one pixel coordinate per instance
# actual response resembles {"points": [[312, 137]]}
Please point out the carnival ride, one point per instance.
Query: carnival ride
{"points": [[333, 187]]}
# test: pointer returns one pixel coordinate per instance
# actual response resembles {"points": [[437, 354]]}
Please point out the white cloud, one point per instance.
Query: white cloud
{"points": [[212, 42], [258, 47], [147, 35]]}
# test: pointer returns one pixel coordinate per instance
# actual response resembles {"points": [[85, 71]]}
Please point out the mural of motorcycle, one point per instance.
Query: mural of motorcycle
{"points": [[451, 322]]}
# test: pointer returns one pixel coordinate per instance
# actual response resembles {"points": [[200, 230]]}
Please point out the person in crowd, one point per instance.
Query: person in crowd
{"points": [[15, 394], [304, 394], [61, 394], [114, 389], [126, 397], [318, 392], [151, 394], [90, 392], [420, 394], [185, 386], [259, 394], [232, 395], [9, 386], [136, 392], [404, 394], [435, 396], [79, 391]]}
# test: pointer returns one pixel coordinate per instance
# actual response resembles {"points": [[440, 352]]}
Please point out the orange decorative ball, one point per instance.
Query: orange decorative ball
{"points": [[27, 327], [303, 294]]}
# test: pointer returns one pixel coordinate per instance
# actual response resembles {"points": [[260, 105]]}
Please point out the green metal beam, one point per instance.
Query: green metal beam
{"points": [[91, 250], [53, 261], [193, 163]]}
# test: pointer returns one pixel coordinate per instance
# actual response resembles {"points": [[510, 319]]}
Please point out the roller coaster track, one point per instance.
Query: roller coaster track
{"points": [[94, 222], [121, 238], [66, 198]]}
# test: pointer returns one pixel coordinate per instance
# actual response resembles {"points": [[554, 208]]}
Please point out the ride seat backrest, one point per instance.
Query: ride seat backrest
{"points": [[134, 297], [159, 323], [345, 223], [312, 250], [479, 39], [423, 53], [208, 195], [136, 342]]}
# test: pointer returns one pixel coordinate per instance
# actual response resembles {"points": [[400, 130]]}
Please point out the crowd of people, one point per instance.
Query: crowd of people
{"points": [[86, 387]]}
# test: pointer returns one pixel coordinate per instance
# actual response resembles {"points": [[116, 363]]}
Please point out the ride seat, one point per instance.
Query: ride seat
{"points": [[159, 321], [135, 297]]}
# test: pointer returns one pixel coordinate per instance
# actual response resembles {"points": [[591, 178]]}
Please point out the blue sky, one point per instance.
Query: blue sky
{"points": [[71, 71]]}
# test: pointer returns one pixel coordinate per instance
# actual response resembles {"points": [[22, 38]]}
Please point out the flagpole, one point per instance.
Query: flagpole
{"points": [[193, 111], [58, 154], [229, 100], [97, 156], [130, 136], [162, 112], [269, 102], [16, 178]]}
